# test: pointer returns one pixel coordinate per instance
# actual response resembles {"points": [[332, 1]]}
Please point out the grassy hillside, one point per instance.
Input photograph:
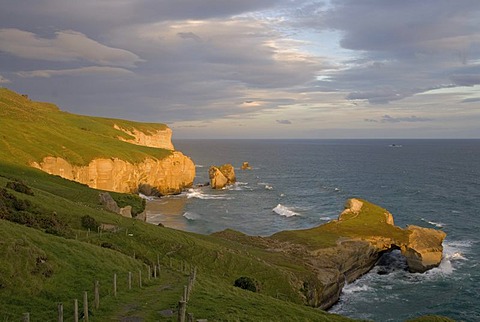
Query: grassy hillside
{"points": [[30, 131], [38, 268]]}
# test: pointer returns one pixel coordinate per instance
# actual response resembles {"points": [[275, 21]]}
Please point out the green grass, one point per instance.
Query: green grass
{"points": [[30, 131], [370, 222], [37, 269]]}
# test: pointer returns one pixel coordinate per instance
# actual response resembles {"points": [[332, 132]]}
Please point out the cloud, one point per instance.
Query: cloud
{"points": [[92, 70], [284, 122], [466, 79], [390, 119], [4, 80], [66, 46], [471, 100]]}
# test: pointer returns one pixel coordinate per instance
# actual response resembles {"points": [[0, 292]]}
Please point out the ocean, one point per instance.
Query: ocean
{"points": [[297, 184]]}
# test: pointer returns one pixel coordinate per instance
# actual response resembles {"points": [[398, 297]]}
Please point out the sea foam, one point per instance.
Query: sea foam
{"points": [[191, 215], [284, 211], [197, 193]]}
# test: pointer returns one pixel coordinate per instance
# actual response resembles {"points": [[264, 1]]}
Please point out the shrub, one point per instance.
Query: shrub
{"points": [[107, 245], [89, 222], [247, 283], [19, 186]]}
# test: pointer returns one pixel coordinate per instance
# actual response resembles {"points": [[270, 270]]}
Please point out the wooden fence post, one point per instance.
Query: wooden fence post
{"points": [[155, 271], [26, 317], [129, 280], [97, 294], [60, 312], [115, 284], [182, 308], [140, 278], [185, 293], [85, 306], [75, 310]]}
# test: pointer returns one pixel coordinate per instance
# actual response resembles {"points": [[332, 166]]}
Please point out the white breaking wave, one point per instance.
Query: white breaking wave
{"points": [[194, 193], [452, 253], [149, 198], [199, 166], [191, 215], [238, 186], [325, 218], [436, 224], [353, 288], [284, 211]]}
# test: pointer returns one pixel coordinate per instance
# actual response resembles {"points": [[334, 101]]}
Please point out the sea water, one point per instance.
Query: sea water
{"points": [[297, 184]]}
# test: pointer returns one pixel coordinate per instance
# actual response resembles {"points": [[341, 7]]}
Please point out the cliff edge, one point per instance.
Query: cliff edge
{"points": [[108, 154]]}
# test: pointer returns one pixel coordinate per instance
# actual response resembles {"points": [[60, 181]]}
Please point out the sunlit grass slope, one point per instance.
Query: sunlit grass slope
{"points": [[30, 131], [39, 269]]}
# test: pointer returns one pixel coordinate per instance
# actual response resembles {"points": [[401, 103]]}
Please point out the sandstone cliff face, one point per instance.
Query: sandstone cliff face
{"points": [[221, 176], [169, 175], [160, 139]]}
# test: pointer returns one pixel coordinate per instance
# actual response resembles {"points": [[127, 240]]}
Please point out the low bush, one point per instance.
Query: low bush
{"points": [[247, 283], [89, 222]]}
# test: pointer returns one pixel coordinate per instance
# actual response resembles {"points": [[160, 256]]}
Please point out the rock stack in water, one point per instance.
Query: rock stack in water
{"points": [[222, 176]]}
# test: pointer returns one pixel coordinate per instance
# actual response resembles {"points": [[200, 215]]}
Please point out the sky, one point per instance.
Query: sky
{"points": [[253, 68]]}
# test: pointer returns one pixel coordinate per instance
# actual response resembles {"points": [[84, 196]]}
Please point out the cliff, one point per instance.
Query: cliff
{"points": [[343, 250], [108, 154], [167, 176]]}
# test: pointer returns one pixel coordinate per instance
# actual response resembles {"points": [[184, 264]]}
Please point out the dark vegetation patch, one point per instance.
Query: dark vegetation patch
{"points": [[247, 283], [19, 186], [23, 212], [88, 222]]}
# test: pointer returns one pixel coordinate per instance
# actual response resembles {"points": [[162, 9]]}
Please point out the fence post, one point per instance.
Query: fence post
{"points": [[155, 271], [75, 310], [97, 294], [26, 317], [85, 306], [129, 280], [60, 312], [149, 272], [185, 293], [182, 308], [140, 278], [115, 284]]}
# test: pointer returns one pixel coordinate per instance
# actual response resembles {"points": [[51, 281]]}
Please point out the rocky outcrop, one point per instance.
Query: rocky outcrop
{"points": [[111, 205], [169, 175], [246, 166], [222, 176], [158, 139], [424, 248], [339, 252]]}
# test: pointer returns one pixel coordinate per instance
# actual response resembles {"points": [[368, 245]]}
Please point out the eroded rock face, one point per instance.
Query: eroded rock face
{"points": [[160, 139], [424, 248], [222, 176], [169, 175]]}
